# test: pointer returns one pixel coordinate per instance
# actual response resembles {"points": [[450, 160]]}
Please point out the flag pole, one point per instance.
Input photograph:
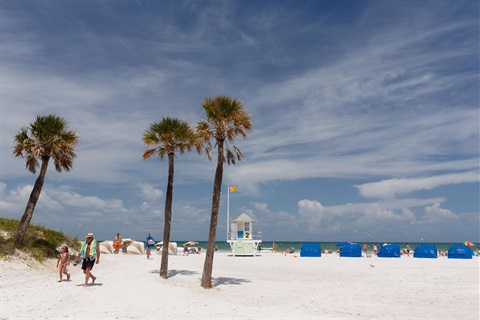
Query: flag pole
{"points": [[228, 209]]}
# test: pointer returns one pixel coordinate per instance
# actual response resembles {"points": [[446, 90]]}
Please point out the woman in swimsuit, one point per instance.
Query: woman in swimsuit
{"points": [[64, 261], [117, 241]]}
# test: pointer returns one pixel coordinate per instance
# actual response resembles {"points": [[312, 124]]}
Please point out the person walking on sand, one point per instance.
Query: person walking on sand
{"points": [[64, 261], [150, 242], [365, 249], [117, 242], [90, 252]]}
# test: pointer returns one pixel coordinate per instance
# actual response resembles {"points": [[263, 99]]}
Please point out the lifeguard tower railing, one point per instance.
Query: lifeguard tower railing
{"points": [[254, 236], [248, 245]]}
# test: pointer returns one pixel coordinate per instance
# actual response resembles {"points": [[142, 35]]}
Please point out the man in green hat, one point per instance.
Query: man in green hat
{"points": [[90, 252]]}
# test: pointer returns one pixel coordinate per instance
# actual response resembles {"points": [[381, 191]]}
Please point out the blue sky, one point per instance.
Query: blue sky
{"points": [[366, 115]]}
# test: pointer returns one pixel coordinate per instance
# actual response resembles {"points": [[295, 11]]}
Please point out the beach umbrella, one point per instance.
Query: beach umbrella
{"points": [[469, 244], [190, 243], [343, 244]]}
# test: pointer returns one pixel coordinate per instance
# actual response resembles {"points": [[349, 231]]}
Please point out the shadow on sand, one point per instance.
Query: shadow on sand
{"points": [[215, 281], [228, 281], [96, 284], [173, 273]]}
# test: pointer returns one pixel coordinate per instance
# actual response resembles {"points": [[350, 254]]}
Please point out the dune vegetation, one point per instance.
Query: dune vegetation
{"points": [[40, 242]]}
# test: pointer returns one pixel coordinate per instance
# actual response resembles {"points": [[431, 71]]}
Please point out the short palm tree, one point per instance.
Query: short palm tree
{"points": [[168, 136], [225, 118], [47, 137]]}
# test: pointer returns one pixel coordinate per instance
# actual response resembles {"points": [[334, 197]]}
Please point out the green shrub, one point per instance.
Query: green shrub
{"points": [[6, 246], [9, 225], [39, 241]]}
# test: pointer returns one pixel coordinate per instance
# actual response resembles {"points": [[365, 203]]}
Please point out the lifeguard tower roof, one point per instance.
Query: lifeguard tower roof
{"points": [[244, 218]]}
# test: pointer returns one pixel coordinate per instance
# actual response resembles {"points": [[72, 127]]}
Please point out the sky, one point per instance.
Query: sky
{"points": [[366, 115]]}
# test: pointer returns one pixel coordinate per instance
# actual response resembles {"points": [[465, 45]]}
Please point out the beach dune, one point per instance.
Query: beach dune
{"points": [[270, 286]]}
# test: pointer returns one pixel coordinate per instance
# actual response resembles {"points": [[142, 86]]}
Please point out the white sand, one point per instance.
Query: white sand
{"points": [[271, 286]]}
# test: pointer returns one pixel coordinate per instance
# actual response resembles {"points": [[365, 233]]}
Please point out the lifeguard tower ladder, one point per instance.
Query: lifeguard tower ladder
{"points": [[241, 238]]}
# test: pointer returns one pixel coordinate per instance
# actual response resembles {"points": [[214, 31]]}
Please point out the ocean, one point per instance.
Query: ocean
{"points": [[223, 246]]}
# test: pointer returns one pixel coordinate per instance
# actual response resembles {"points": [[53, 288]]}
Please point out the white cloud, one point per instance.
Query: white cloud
{"points": [[435, 213], [262, 206], [144, 207], [16, 200], [390, 218], [149, 192], [392, 187]]}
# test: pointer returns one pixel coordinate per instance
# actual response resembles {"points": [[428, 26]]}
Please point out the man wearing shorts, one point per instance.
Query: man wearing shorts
{"points": [[150, 242], [90, 252]]}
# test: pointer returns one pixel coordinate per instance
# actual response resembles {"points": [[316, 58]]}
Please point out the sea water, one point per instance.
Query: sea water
{"points": [[223, 246]]}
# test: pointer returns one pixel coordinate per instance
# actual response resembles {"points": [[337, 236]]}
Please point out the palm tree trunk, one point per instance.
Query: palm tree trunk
{"points": [[32, 202], [217, 188], [168, 217]]}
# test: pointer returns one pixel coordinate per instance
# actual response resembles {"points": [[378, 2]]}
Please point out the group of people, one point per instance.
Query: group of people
{"points": [[188, 250], [89, 255]]}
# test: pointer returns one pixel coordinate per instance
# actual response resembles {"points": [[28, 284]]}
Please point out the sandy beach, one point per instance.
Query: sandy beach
{"points": [[270, 286]]}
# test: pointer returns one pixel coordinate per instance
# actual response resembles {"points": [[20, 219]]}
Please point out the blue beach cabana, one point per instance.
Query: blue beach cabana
{"points": [[425, 251], [389, 251], [460, 252], [311, 250], [352, 250]]}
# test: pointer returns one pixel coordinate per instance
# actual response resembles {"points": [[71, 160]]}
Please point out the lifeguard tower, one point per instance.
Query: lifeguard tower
{"points": [[241, 238]]}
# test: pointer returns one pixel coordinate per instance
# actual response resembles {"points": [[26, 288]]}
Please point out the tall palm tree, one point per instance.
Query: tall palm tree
{"points": [[225, 118], [169, 135], [47, 137]]}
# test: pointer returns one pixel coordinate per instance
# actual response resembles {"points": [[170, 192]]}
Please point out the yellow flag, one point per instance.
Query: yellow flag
{"points": [[232, 188]]}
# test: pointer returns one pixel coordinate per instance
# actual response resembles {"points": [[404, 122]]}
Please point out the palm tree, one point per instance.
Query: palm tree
{"points": [[47, 137], [169, 135], [225, 118]]}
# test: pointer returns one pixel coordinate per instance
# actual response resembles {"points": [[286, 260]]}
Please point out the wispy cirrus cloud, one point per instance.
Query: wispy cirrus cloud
{"points": [[392, 187]]}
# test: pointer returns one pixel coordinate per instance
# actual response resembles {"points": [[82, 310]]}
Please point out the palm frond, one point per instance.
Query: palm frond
{"points": [[225, 119], [48, 136], [230, 157], [148, 153], [238, 152], [170, 135]]}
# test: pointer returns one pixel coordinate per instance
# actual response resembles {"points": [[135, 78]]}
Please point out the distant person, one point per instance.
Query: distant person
{"points": [[259, 247], [64, 261], [274, 247], [117, 242], [407, 248], [375, 249], [150, 242], [365, 249], [90, 253]]}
